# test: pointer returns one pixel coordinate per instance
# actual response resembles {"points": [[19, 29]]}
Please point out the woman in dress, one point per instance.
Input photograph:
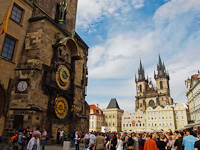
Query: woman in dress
{"points": [[34, 143]]}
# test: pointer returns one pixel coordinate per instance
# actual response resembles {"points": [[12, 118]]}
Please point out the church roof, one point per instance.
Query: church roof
{"points": [[113, 104], [195, 76]]}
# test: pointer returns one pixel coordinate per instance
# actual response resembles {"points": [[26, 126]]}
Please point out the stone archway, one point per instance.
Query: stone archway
{"points": [[151, 103]]}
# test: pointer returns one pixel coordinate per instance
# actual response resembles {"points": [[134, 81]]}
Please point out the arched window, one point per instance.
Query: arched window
{"points": [[161, 85], [140, 88]]}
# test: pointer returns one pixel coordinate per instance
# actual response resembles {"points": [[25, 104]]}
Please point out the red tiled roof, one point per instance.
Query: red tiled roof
{"points": [[94, 107], [195, 76]]}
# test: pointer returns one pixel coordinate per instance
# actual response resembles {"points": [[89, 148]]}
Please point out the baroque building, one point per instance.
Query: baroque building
{"points": [[96, 118], [113, 116], [193, 95], [133, 121], [147, 93], [44, 84]]}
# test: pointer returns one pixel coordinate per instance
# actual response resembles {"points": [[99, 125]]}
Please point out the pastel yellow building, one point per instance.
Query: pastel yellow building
{"points": [[113, 116], [96, 118], [160, 117], [181, 115], [133, 121]]}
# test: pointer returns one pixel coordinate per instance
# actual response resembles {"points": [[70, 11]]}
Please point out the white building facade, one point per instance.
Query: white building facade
{"points": [[193, 95]]}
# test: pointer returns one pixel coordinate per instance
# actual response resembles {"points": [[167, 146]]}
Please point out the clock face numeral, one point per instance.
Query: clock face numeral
{"points": [[63, 77], [22, 86], [61, 107]]}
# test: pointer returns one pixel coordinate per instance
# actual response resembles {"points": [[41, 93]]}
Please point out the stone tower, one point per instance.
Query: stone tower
{"points": [[162, 83], [141, 88], [50, 79]]}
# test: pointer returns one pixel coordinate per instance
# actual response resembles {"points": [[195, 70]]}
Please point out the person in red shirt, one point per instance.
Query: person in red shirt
{"points": [[150, 144]]}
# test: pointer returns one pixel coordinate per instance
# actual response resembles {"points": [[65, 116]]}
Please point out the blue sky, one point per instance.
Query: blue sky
{"points": [[121, 32]]}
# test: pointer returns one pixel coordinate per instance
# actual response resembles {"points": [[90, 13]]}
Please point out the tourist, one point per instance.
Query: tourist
{"points": [[99, 142], [161, 143], [72, 137], [130, 141], [34, 143], [61, 136], [179, 142], [87, 138], [172, 141], [58, 136], [189, 140], [136, 142], [65, 135], [111, 145], [150, 144], [92, 139], [43, 138], [77, 140], [120, 143], [197, 143]]}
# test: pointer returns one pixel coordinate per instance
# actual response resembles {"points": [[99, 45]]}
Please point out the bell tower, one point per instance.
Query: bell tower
{"points": [[162, 83], [141, 88]]}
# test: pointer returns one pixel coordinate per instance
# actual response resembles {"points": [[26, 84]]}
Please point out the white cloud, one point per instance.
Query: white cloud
{"points": [[93, 11], [175, 35]]}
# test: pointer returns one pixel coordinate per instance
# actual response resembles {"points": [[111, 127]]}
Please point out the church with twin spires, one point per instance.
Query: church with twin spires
{"points": [[150, 95]]}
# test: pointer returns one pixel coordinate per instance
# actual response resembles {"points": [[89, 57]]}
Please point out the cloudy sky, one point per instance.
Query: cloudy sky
{"points": [[121, 32]]}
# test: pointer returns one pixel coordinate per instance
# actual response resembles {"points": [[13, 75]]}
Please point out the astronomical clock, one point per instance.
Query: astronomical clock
{"points": [[63, 77]]}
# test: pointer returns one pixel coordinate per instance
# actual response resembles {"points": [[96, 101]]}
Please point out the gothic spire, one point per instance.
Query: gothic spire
{"points": [[141, 75], [161, 67]]}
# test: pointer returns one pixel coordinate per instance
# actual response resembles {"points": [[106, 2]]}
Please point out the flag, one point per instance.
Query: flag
{"points": [[6, 23]]}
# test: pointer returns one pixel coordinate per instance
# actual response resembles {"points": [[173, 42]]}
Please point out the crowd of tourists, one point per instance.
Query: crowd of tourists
{"points": [[143, 141], [29, 138]]}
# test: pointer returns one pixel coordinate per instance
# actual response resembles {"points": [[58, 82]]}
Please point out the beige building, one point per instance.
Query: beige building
{"points": [[193, 95], [181, 115], [150, 95], [113, 116], [160, 117], [96, 120], [133, 121]]}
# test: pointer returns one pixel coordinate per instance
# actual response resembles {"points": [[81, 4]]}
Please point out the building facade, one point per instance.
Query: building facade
{"points": [[113, 116], [133, 121], [181, 112], [193, 95], [96, 118], [150, 95], [46, 81]]}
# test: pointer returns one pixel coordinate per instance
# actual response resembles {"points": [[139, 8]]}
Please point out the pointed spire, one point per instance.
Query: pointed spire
{"points": [[135, 78], [141, 75], [161, 67]]}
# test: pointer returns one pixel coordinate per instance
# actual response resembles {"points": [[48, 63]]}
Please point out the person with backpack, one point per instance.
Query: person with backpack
{"points": [[14, 141], [130, 141]]}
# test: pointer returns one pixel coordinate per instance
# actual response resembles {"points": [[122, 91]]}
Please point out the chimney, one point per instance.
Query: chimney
{"points": [[98, 105]]}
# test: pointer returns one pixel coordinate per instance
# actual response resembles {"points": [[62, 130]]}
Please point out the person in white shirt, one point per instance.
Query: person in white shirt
{"points": [[92, 139], [61, 136], [87, 138], [77, 140]]}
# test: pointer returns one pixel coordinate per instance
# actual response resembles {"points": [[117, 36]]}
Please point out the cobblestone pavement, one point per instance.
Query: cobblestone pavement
{"points": [[47, 147]]}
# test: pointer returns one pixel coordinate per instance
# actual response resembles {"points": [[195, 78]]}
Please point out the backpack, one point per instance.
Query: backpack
{"points": [[14, 138], [130, 141]]}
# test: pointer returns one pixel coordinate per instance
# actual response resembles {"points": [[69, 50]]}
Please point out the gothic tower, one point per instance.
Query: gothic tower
{"points": [[141, 88], [162, 84]]}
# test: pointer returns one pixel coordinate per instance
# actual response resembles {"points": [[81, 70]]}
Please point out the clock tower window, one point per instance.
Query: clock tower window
{"points": [[140, 88]]}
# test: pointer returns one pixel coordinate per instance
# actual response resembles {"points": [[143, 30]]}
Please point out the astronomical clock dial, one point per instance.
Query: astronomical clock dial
{"points": [[61, 107], [22, 86], [63, 77]]}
